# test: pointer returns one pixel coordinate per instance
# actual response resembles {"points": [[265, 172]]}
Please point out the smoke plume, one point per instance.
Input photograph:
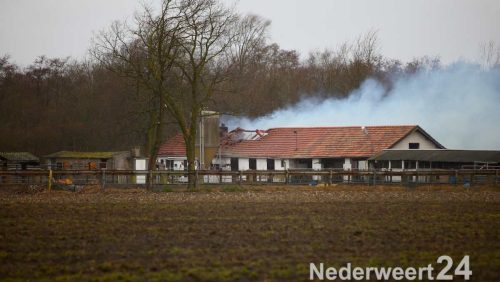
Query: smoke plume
{"points": [[459, 105]]}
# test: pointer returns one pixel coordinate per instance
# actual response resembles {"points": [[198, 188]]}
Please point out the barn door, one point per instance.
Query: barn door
{"points": [[234, 164]]}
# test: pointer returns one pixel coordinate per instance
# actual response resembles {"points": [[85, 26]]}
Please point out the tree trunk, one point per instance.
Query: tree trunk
{"points": [[154, 140], [191, 158]]}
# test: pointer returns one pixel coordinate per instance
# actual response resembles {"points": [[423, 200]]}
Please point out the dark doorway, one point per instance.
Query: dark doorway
{"points": [[270, 164], [333, 163], [234, 164], [307, 163], [252, 164]]}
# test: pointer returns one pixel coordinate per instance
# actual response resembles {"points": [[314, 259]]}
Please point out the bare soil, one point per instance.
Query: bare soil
{"points": [[257, 233]]}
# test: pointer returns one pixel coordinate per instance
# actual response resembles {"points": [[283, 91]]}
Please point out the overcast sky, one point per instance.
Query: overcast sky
{"points": [[451, 29]]}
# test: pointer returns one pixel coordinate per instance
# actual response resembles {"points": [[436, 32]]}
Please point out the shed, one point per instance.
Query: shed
{"points": [[18, 161], [74, 160]]}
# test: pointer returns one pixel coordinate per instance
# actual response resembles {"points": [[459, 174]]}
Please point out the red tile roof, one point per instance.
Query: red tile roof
{"points": [[173, 147], [309, 142], [306, 142]]}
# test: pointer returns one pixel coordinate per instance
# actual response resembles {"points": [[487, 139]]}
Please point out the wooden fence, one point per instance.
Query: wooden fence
{"points": [[284, 177]]}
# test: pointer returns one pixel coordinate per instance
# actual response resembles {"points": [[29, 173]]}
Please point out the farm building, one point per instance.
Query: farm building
{"points": [[172, 154], [71, 160], [303, 147], [122, 160], [436, 159], [18, 161]]}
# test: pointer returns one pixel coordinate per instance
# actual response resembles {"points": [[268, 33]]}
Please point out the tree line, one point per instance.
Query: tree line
{"points": [[150, 78]]}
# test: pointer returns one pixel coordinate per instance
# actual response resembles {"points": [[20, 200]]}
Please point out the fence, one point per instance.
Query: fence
{"points": [[284, 177]]}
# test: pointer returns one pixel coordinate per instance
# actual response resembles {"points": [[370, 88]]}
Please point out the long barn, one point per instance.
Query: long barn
{"points": [[302, 147]]}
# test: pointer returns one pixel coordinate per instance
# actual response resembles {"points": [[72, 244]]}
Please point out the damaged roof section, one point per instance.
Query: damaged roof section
{"points": [[240, 134]]}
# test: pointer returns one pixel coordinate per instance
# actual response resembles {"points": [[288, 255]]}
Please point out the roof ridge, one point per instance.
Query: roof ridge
{"points": [[349, 126]]}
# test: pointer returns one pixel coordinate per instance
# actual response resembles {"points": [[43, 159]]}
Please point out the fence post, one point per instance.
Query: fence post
{"points": [[49, 182], [239, 177], [330, 181], [196, 179], [496, 176], [103, 179], [456, 177], [286, 177]]}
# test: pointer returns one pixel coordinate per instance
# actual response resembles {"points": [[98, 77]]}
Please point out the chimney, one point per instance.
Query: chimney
{"points": [[364, 129], [223, 130]]}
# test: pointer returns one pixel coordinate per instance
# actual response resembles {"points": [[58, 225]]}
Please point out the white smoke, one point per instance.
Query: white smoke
{"points": [[459, 105]]}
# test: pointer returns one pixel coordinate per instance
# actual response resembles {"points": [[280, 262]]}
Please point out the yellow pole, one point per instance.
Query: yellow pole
{"points": [[49, 183]]}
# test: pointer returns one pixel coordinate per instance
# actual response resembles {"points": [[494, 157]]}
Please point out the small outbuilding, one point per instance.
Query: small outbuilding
{"points": [[18, 161], [72, 160]]}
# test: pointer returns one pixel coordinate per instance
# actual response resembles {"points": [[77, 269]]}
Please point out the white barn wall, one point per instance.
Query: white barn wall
{"points": [[316, 164], [363, 165], [261, 164], [278, 164], [225, 163], [140, 164], [347, 164], [243, 164], [415, 137]]}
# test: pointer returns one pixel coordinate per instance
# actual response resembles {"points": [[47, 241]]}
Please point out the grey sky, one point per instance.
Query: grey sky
{"points": [[451, 29]]}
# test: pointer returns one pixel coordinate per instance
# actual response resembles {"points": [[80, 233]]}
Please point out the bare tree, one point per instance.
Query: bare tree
{"points": [[250, 34], [178, 56], [199, 68], [145, 53]]}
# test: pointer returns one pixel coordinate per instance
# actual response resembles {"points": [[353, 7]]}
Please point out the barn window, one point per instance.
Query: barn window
{"points": [[396, 164], [170, 164], [424, 164], [414, 146], [410, 164], [381, 164], [103, 163]]}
